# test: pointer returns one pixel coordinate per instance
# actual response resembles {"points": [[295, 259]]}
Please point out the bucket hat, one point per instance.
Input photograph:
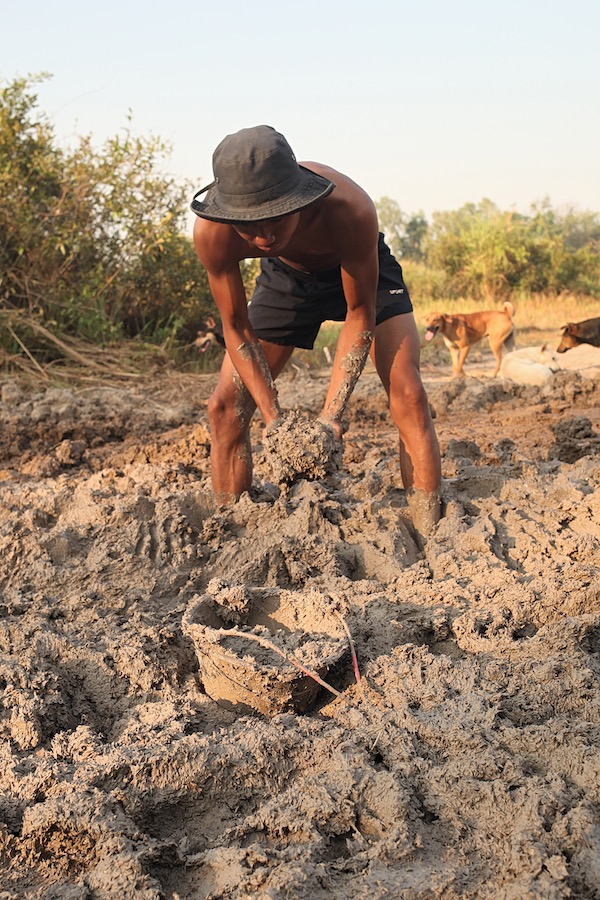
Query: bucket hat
{"points": [[257, 177]]}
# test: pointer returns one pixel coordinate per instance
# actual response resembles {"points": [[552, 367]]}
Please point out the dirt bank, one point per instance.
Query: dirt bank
{"points": [[467, 762]]}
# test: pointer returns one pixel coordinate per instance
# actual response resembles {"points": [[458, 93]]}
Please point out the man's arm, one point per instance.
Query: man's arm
{"points": [[360, 273], [218, 248]]}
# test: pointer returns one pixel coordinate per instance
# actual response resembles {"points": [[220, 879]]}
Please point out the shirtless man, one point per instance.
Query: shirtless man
{"points": [[322, 258]]}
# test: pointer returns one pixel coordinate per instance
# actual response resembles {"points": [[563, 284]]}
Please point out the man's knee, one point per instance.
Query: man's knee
{"points": [[408, 400], [221, 414], [216, 408], [229, 413]]}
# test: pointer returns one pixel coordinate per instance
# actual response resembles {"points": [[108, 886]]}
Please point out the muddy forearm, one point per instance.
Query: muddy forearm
{"points": [[348, 364], [251, 365]]}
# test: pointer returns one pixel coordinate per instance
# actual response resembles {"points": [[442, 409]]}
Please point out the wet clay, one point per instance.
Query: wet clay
{"points": [[425, 511], [299, 446], [467, 768]]}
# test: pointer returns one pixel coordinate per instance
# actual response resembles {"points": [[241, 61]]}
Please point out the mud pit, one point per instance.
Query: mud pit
{"points": [[277, 657], [468, 766]]}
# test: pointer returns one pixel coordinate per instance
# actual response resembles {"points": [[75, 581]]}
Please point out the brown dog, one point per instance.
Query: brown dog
{"points": [[575, 333], [461, 331]]}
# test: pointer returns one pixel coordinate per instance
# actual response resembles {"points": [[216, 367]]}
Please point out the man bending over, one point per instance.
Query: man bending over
{"points": [[322, 258]]}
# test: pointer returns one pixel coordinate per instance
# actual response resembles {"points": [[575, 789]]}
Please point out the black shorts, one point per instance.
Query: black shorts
{"points": [[288, 307]]}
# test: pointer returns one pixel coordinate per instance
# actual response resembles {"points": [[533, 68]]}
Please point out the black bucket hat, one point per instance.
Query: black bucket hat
{"points": [[257, 177]]}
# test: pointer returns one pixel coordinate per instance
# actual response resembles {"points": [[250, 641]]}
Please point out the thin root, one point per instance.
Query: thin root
{"points": [[357, 675], [290, 659]]}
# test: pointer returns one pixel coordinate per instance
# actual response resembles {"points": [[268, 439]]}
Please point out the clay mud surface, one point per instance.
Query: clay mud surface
{"points": [[466, 764]]}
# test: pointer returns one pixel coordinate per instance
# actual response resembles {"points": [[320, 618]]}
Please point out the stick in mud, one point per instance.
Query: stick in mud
{"points": [[357, 674], [290, 659]]}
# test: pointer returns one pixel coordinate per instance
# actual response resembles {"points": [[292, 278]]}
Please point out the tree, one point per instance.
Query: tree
{"points": [[405, 235], [480, 248], [487, 253], [91, 239], [391, 223], [415, 235]]}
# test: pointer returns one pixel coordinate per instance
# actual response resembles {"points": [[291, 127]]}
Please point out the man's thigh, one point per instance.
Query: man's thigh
{"points": [[396, 350]]}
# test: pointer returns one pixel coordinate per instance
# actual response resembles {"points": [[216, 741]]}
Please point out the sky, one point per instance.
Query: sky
{"points": [[431, 103]]}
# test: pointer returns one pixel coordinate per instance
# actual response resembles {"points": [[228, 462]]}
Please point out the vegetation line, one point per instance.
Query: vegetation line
{"points": [[95, 252]]}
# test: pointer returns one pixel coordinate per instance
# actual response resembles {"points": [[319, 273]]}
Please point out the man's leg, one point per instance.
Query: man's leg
{"points": [[395, 353], [230, 409]]}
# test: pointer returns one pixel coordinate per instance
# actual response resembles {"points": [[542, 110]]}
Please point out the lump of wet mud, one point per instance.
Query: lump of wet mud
{"points": [[463, 449], [469, 393], [231, 600], [301, 447]]}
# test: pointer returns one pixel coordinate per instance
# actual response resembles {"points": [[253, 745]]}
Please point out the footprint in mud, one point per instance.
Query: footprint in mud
{"points": [[170, 540]]}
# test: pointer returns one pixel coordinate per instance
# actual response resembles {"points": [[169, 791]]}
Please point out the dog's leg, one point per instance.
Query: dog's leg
{"points": [[453, 353], [497, 346], [454, 357], [461, 356]]}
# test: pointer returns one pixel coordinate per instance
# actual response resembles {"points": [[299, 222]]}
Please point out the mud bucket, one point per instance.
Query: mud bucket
{"points": [[232, 627]]}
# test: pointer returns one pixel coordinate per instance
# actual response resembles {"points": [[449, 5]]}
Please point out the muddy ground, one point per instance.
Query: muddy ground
{"points": [[466, 763]]}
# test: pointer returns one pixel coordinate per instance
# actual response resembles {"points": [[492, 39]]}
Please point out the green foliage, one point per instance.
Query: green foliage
{"points": [[424, 281], [478, 248], [91, 239], [404, 234], [482, 252]]}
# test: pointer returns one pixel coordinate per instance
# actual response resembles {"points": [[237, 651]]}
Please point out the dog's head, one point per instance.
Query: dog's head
{"points": [[209, 336], [434, 322], [569, 338]]}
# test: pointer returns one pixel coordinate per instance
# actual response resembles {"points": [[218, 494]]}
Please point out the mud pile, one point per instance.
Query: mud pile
{"points": [[466, 763]]}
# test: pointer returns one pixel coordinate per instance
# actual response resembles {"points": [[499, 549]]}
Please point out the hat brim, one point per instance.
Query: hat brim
{"points": [[311, 188]]}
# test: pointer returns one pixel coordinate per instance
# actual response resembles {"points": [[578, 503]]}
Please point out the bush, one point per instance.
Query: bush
{"points": [[91, 240]]}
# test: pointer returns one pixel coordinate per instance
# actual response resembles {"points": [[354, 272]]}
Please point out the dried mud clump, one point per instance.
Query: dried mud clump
{"points": [[575, 438]]}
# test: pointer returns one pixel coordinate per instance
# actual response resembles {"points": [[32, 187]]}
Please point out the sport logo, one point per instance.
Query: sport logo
{"points": [[397, 291]]}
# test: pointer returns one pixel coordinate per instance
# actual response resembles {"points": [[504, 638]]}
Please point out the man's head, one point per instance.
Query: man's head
{"points": [[257, 178]]}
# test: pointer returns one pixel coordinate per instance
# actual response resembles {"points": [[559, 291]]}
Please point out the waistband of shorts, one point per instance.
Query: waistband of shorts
{"points": [[304, 276]]}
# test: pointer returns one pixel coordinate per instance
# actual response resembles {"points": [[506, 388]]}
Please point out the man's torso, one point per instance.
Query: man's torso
{"points": [[324, 231]]}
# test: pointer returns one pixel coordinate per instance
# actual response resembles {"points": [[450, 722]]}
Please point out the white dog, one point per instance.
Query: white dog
{"points": [[530, 365]]}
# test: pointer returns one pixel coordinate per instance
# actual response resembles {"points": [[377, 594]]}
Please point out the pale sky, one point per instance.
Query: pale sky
{"points": [[432, 103]]}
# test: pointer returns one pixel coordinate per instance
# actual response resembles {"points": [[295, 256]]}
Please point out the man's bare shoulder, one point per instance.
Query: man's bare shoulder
{"points": [[343, 183], [218, 245], [345, 218], [348, 198]]}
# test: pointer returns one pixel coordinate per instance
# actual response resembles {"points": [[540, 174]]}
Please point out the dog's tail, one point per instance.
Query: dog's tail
{"points": [[508, 308]]}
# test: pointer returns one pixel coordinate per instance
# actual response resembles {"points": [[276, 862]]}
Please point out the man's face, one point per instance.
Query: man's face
{"points": [[269, 235]]}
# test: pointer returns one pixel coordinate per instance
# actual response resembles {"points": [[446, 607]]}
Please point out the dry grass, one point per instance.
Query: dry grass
{"points": [[45, 356]]}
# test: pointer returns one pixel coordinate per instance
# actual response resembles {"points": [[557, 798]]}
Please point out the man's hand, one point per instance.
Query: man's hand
{"points": [[271, 428], [339, 428]]}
